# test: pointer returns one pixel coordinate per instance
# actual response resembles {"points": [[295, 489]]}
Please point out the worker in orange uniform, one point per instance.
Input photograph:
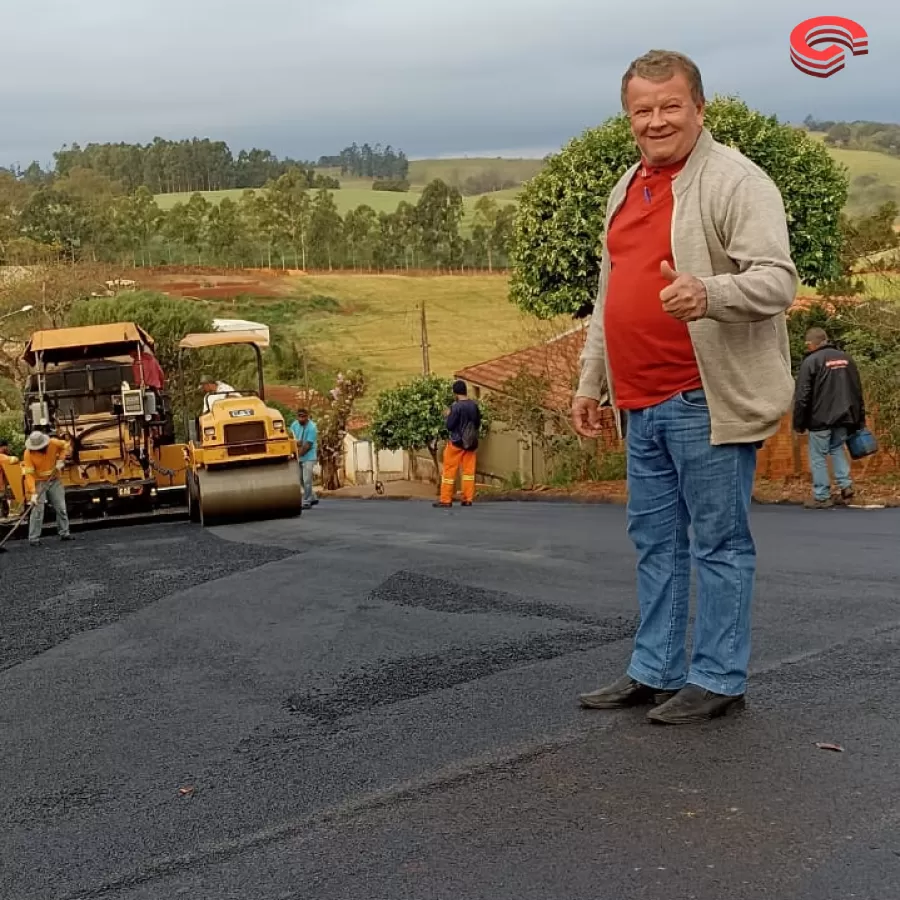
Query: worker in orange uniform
{"points": [[463, 421], [44, 458]]}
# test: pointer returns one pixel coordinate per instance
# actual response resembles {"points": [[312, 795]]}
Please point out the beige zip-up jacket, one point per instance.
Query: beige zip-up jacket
{"points": [[729, 230]]}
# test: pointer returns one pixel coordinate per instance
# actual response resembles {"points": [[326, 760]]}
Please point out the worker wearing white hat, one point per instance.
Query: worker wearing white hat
{"points": [[43, 459], [214, 391]]}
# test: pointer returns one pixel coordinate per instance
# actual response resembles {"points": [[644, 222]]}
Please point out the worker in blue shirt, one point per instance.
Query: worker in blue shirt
{"points": [[307, 435]]}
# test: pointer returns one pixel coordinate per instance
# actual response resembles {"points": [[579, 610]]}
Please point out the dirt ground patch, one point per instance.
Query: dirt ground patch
{"points": [[213, 284]]}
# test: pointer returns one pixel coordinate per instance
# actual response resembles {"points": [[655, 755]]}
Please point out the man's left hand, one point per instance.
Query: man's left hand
{"points": [[685, 297]]}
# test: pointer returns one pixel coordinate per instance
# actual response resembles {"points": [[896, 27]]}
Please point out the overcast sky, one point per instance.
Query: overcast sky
{"points": [[434, 77]]}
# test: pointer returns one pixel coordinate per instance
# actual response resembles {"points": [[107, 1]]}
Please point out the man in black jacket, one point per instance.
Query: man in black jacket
{"points": [[463, 421], [829, 404]]}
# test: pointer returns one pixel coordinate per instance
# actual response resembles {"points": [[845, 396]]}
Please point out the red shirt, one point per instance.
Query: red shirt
{"points": [[153, 373], [650, 354]]}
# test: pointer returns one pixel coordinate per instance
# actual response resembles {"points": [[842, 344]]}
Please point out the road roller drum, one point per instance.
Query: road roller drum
{"points": [[267, 491]]}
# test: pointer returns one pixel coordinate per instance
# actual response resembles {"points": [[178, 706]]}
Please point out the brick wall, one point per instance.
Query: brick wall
{"points": [[783, 456]]}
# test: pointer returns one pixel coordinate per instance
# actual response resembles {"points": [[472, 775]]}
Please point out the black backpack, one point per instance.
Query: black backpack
{"points": [[469, 436]]}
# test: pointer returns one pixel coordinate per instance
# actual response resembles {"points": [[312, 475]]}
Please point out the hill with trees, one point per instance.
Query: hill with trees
{"points": [[879, 137], [86, 216], [195, 201]]}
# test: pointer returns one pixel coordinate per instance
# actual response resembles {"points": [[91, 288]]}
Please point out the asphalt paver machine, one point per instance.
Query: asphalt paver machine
{"points": [[86, 385]]}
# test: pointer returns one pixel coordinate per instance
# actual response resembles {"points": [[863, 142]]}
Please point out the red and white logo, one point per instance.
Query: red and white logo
{"points": [[822, 62]]}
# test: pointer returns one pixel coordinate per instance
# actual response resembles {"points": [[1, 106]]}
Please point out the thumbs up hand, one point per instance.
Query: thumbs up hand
{"points": [[685, 297]]}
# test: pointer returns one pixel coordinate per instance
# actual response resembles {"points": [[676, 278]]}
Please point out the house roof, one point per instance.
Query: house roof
{"points": [[293, 396], [557, 360]]}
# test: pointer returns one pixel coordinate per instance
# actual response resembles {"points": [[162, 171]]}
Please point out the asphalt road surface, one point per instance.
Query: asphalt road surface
{"points": [[377, 702]]}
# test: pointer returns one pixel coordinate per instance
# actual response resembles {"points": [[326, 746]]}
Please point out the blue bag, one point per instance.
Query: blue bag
{"points": [[862, 443]]}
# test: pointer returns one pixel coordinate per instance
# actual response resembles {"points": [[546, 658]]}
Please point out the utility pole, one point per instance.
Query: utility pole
{"points": [[426, 361]]}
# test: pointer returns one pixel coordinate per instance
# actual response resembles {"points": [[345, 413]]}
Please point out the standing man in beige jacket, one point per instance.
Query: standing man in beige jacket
{"points": [[689, 340]]}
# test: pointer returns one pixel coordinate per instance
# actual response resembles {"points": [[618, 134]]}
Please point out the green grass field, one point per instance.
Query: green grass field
{"points": [[373, 322], [456, 171], [880, 170]]}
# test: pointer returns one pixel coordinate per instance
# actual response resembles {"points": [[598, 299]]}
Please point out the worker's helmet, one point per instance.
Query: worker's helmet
{"points": [[37, 441]]}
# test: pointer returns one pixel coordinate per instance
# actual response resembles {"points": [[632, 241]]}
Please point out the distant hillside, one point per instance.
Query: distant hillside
{"points": [[880, 137], [874, 177], [483, 174]]}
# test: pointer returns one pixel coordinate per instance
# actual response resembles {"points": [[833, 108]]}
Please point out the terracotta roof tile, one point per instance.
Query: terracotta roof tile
{"points": [[556, 360]]}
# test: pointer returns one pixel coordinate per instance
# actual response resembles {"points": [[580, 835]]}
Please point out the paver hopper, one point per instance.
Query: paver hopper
{"points": [[242, 461]]}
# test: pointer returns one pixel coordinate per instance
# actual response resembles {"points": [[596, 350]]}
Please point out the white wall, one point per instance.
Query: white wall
{"points": [[392, 465]]}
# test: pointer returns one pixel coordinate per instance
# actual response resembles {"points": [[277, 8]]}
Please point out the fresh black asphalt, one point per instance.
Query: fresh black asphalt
{"points": [[377, 702]]}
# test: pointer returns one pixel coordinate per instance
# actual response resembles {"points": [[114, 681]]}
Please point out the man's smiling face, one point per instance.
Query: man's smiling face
{"points": [[665, 119]]}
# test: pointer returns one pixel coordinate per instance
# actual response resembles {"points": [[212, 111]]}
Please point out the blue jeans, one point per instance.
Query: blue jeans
{"points": [[55, 492], [306, 476], [677, 480], [823, 444]]}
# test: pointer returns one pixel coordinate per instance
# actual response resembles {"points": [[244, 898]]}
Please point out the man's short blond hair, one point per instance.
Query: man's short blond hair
{"points": [[661, 65]]}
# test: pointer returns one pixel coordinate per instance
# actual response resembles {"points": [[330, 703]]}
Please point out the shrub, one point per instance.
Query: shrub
{"points": [[561, 211]]}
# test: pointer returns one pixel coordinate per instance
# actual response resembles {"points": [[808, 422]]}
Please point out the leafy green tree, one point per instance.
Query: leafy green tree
{"points": [[253, 239], [408, 234], [326, 228], [332, 421], [411, 416], [561, 210], [139, 221], [439, 213], [502, 235], [185, 223], [388, 245], [360, 225], [483, 226], [11, 431], [14, 195], [223, 229], [58, 220], [290, 212]]}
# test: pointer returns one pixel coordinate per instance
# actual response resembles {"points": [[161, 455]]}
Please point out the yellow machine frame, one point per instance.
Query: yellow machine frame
{"points": [[242, 460], [120, 462]]}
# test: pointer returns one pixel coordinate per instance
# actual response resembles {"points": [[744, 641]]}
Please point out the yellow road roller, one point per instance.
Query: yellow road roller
{"points": [[242, 461]]}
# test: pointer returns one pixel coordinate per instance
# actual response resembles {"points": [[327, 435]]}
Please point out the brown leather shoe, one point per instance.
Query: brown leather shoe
{"points": [[693, 704], [622, 694]]}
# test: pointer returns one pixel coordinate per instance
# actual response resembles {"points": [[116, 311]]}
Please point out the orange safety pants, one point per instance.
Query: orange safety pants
{"points": [[454, 457]]}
